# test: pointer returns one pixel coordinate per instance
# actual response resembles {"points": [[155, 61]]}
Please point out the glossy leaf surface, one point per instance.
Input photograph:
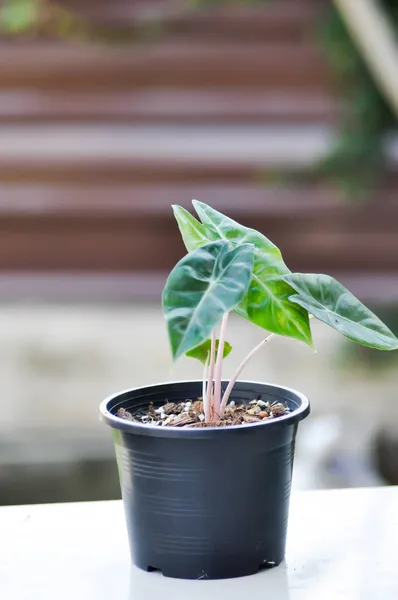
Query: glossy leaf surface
{"points": [[267, 303], [204, 285], [332, 303]]}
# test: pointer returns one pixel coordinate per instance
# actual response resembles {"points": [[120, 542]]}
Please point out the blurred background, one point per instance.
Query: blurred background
{"points": [[112, 111]]}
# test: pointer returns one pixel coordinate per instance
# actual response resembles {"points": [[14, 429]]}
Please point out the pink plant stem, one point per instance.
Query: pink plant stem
{"points": [[204, 380], [218, 371], [209, 392], [239, 371]]}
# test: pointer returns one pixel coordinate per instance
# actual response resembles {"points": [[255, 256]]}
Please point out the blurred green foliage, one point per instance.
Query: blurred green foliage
{"points": [[49, 19], [41, 17], [17, 16], [356, 163]]}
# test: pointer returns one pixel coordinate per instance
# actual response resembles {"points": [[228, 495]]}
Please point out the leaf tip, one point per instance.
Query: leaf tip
{"points": [[310, 342], [176, 208], [196, 204], [175, 355]]}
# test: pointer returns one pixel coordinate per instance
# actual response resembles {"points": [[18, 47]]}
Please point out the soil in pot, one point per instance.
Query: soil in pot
{"points": [[190, 414]]}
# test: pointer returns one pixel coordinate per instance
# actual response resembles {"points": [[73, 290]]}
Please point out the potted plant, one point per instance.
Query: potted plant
{"points": [[205, 466]]}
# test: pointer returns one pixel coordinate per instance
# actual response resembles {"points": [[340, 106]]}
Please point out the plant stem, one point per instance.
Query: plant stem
{"points": [[204, 382], [239, 371], [209, 391], [218, 371]]}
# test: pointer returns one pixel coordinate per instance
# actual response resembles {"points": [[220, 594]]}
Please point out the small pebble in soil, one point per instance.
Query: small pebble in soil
{"points": [[190, 414], [254, 411]]}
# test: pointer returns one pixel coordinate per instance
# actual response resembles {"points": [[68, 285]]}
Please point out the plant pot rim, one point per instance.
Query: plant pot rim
{"points": [[132, 427]]}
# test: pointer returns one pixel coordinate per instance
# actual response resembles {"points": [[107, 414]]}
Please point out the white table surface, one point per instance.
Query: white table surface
{"points": [[342, 545]]}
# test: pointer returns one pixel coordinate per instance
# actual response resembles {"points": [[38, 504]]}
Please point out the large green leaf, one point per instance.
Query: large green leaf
{"points": [[202, 352], [204, 285], [193, 233], [267, 302], [332, 303]]}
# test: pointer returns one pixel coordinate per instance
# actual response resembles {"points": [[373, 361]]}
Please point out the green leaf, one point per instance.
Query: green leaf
{"points": [[204, 285], [267, 303], [332, 303], [192, 231], [202, 352]]}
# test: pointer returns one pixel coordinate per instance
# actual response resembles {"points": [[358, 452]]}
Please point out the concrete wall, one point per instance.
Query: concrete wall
{"points": [[58, 362]]}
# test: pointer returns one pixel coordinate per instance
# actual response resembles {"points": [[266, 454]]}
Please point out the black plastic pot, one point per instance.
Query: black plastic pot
{"points": [[206, 503]]}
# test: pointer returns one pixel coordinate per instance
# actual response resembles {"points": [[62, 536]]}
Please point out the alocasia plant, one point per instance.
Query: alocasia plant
{"points": [[230, 267]]}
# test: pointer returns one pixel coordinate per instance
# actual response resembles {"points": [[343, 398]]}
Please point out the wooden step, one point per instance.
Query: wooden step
{"points": [[167, 106], [158, 153], [285, 19], [98, 140], [163, 153], [244, 201], [132, 229], [261, 65], [229, 64], [371, 287]]}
